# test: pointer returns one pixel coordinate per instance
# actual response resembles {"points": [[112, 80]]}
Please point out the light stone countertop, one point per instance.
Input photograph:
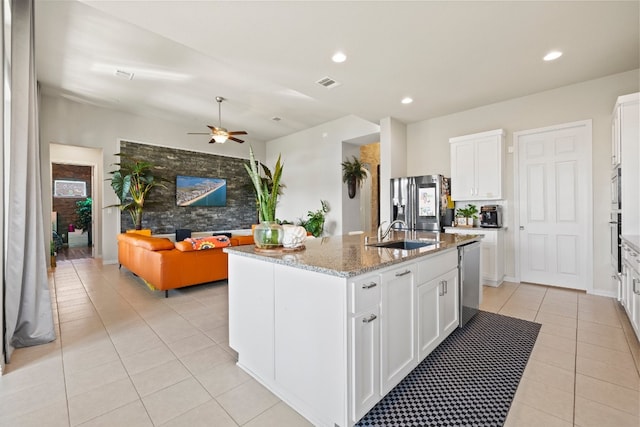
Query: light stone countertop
{"points": [[632, 240], [348, 256]]}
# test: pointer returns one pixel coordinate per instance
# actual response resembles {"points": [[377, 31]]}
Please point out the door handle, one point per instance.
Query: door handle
{"points": [[369, 285], [446, 286], [522, 227], [370, 319], [404, 273]]}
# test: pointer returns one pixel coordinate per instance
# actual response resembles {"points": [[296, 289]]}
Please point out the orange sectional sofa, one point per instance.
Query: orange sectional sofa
{"points": [[165, 265]]}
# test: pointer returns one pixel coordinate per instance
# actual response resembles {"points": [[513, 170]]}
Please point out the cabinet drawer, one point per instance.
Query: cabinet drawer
{"points": [[364, 293], [436, 265]]}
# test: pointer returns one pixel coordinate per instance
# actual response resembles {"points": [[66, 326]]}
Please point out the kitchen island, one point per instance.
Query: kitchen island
{"points": [[333, 328]]}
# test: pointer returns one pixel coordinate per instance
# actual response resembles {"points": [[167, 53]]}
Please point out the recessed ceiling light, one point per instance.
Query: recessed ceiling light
{"points": [[554, 54], [407, 100], [339, 57]]}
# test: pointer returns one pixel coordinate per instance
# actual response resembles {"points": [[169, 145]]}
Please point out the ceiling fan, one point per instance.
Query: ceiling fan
{"points": [[220, 134]]}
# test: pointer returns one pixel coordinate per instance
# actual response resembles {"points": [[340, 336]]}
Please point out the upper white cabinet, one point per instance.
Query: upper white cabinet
{"points": [[476, 166], [626, 125]]}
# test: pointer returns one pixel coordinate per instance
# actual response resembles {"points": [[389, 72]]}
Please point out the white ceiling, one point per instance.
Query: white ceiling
{"points": [[266, 56]]}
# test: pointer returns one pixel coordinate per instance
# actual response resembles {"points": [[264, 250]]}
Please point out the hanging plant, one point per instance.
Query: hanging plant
{"points": [[354, 174]]}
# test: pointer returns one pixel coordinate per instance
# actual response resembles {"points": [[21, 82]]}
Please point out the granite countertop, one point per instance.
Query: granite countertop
{"points": [[348, 256], [632, 240]]}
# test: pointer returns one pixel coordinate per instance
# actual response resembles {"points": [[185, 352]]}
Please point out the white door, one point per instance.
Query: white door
{"points": [[554, 184]]}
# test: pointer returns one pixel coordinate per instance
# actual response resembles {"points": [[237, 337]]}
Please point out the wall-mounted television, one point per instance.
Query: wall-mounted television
{"points": [[198, 191]]}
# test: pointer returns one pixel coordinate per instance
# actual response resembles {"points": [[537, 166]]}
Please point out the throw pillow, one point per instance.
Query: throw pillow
{"points": [[209, 242]]}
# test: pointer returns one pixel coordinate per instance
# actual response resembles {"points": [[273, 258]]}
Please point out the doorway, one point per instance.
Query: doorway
{"points": [[553, 203], [72, 210]]}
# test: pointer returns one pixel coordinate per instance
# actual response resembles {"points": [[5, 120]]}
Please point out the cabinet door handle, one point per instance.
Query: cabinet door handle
{"points": [[446, 286], [370, 319], [441, 288], [404, 273], [634, 287], [369, 285]]}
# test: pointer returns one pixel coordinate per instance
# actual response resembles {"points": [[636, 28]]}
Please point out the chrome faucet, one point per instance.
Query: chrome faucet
{"points": [[382, 236]]}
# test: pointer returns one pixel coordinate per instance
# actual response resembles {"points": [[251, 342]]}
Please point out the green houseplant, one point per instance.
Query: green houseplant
{"points": [[314, 223], [83, 220], [267, 234], [132, 182], [469, 212], [353, 173]]}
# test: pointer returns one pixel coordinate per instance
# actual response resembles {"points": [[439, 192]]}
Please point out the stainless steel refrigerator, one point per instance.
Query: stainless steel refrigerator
{"points": [[420, 201]]}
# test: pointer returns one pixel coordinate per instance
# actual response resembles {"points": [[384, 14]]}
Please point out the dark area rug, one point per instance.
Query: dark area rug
{"points": [[469, 380]]}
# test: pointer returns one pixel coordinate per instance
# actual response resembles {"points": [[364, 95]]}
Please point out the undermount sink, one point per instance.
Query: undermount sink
{"points": [[404, 244]]}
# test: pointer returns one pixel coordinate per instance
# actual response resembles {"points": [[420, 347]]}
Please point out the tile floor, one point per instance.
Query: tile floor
{"points": [[127, 356]]}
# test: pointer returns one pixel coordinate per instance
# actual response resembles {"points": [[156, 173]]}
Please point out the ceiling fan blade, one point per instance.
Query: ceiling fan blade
{"points": [[213, 128], [236, 139], [238, 132], [198, 133], [212, 141]]}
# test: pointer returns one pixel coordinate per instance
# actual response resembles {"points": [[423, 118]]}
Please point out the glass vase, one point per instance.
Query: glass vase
{"points": [[268, 235]]}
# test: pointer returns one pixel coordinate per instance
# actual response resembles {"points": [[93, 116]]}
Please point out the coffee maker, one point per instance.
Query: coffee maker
{"points": [[491, 216]]}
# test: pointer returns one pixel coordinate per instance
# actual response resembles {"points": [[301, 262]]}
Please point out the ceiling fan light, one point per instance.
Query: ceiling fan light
{"points": [[220, 138]]}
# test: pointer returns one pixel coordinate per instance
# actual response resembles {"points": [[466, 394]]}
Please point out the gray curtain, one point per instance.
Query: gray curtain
{"points": [[28, 314]]}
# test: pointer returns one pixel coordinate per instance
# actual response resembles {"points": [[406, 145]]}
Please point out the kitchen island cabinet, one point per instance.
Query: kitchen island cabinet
{"points": [[330, 330]]}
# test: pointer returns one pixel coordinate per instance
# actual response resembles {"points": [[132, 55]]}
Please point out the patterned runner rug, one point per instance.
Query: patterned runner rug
{"points": [[469, 380]]}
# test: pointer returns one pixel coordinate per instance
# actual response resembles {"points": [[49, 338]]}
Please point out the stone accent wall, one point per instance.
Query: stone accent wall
{"points": [[162, 215], [370, 154], [66, 206]]}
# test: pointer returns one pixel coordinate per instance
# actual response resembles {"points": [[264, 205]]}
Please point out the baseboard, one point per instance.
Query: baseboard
{"points": [[511, 279], [109, 261], [610, 294]]}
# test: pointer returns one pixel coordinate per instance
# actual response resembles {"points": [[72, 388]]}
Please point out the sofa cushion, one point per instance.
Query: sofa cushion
{"points": [[153, 243], [184, 246], [209, 242]]}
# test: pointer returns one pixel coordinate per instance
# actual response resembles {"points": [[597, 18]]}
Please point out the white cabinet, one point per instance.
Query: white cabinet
{"points": [[476, 166], [492, 253], [438, 311], [365, 345], [449, 306], [365, 351], [398, 353], [627, 124], [631, 285]]}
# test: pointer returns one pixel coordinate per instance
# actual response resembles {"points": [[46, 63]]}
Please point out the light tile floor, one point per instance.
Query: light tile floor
{"points": [[126, 356]]}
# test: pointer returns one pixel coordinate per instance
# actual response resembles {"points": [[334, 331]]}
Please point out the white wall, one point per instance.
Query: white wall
{"points": [[312, 168], [393, 160], [71, 123], [428, 146]]}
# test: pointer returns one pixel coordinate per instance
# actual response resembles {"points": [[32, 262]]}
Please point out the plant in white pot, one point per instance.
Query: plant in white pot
{"points": [[469, 213], [268, 234]]}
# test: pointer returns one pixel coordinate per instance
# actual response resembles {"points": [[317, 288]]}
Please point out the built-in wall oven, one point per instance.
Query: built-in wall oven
{"points": [[615, 225], [616, 202]]}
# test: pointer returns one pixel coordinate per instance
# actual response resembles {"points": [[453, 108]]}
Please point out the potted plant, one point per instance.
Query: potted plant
{"points": [[83, 220], [132, 183], [268, 234], [469, 213], [354, 174], [314, 223]]}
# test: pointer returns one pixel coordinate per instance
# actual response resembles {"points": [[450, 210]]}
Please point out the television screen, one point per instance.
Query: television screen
{"points": [[197, 191]]}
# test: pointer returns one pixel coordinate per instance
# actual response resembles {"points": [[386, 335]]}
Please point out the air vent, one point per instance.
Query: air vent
{"points": [[328, 82], [124, 74]]}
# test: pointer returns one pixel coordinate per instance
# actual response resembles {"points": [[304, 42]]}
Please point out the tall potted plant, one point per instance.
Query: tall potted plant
{"points": [[268, 234], [83, 220], [132, 183], [354, 174]]}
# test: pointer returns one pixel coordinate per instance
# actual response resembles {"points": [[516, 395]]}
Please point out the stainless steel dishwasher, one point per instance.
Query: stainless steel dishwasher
{"points": [[469, 278]]}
